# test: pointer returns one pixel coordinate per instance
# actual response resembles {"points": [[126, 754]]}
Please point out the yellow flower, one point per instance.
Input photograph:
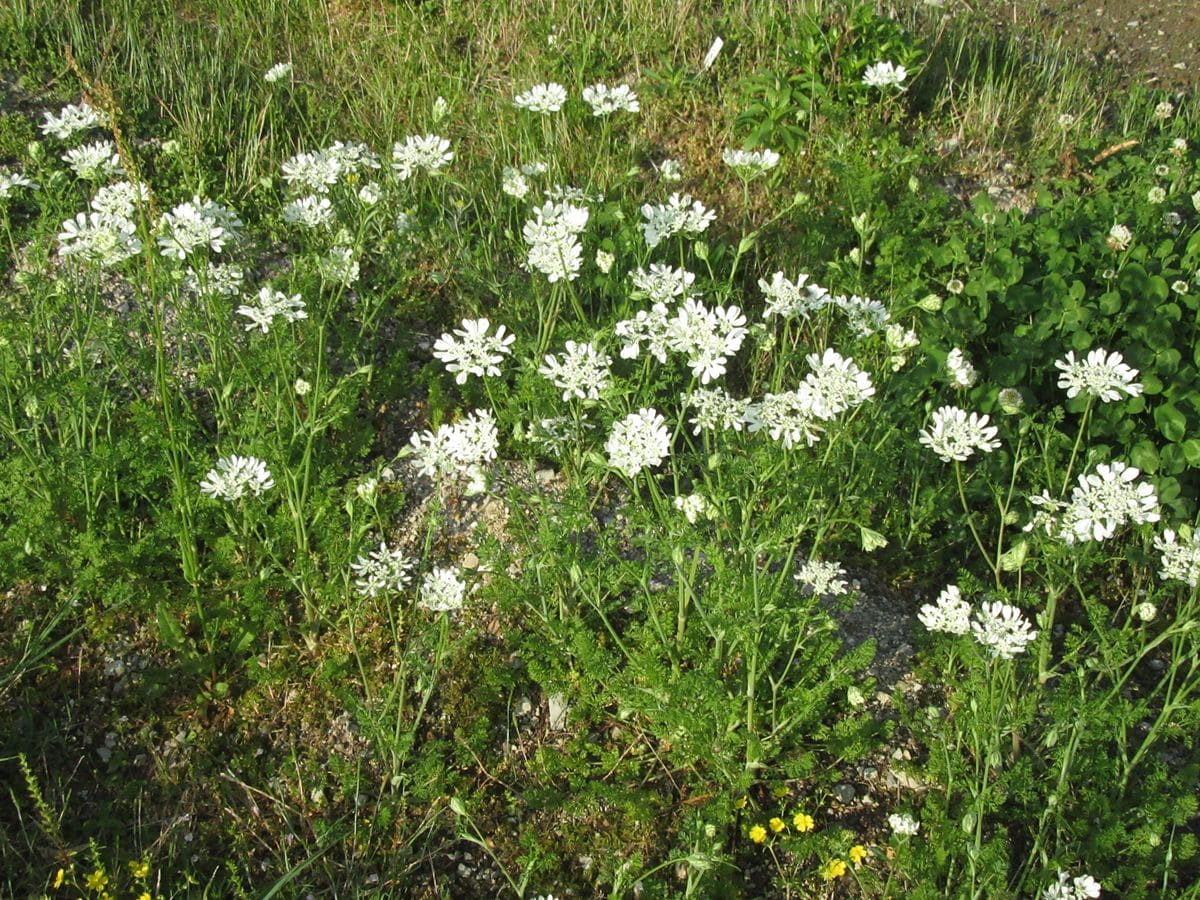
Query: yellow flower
{"points": [[58, 878], [858, 853], [835, 868], [739, 803], [802, 822], [145, 895], [139, 869], [758, 834], [97, 880], [777, 825]]}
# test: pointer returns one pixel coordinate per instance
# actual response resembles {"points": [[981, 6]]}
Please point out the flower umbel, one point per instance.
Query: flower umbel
{"points": [[954, 435], [1103, 375], [638, 441], [471, 350], [235, 477]]}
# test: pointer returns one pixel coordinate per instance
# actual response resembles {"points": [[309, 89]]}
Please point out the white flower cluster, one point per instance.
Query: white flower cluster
{"points": [[749, 163], [471, 350], [317, 171], [836, 385], [311, 212], [1180, 559], [791, 299], [706, 337], [553, 239], [962, 373], [428, 152], [581, 372], [121, 200], [214, 280], [95, 161], [638, 441], [954, 435], [1002, 629], [903, 824], [72, 119], [277, 72], [822, 579], [679, 215], [716, 410], [899, 341], [1081, 887], [442, 591], [10, 181], [1102, 375], [662, 283], [693, 506], [97, 240], [542, 98], [1100, 503], [884, 74], [459, 450], [382, 571], [605, 101], [272, 305], [235, 477], [197, 225]]}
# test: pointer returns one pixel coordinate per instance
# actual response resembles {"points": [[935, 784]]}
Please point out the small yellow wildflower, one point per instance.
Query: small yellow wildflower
{"points": [[145, 895], [835, 868], [58, 878], [803, 822], [139, 869], [858, 853], [97, 880], [758, 834], [777, 825], [739, 803]]}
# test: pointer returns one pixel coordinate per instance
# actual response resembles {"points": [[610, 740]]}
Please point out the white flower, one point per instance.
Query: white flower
{"points": [[554, 249], [1179, 287], [679, 215], [716, 410], [604, 261], [1164, 110], [1119, 237], [441, 109], [955, 286], [884, 74], [1179, 560], [10, 181], [788, 417], [459, 450], [1105, 500], [442, 591], [583, 371], [214, 280], [1002, 629], [1156, 195], [836, 384], [790, 299], [638, 441], [370, 193], [902, 823], [955, 436], [1178, 147], [235, 477], [748, 163], [1082, 887], [309, 212], [1104, 375], [121, 199], [707, 337], [513, 183], [271, 305], [94, 162], [429, 152], [98, 240], [693, 506], [277, 72], [670, 171], [542, 98], [949, 613], [962, 373], [822, 578], [1146, 612], [864, 315], [316, 172], [661, 284], [339, 266], [196, 225], [72, 119], [382, 571], [605, 101], [471, 350], [649, 326]]}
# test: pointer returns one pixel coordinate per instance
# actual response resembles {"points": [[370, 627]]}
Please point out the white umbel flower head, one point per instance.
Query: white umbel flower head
{"points": [[949, 613], [1119, 237], [582, 371], [903, 824], [1102, 375], [716, 410], [1180, 559], [605, 101], [382, 571], [121, 199], [791, 299], [72, 119], [1105, 500], [94, 239], [749, 163], [428, 152], [638, 441], [836, 384], [442, 590], [309, 212], [693, 506], [277, 72], [472, 350], [822, 579], [788, 417], [1002, 629], [953, 435], [95, 161], [884, 74], [10, 181], [1081, 887], [542, 98], [661, 284], [272, 305], [235, 477], [679, 215], [962, 373], [199, 224]]}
